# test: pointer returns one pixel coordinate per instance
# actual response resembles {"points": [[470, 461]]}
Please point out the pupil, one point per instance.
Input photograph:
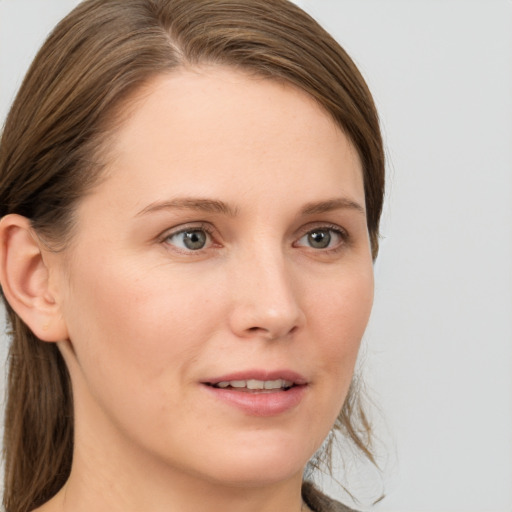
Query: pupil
{"points": [[194, 239], [319, 239]]}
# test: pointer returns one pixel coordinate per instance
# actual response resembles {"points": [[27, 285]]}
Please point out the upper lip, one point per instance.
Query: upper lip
{"points": [[259, 374]]}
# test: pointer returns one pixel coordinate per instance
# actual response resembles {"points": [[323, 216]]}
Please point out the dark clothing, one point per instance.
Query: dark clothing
{"points": [[319, 502]]}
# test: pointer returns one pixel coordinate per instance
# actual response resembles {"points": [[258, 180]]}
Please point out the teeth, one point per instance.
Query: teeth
{"points": [[256, 384], [274, 384]]}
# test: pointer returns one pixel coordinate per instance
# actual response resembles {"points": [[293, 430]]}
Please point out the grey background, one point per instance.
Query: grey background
{"points": [[437, 356]]}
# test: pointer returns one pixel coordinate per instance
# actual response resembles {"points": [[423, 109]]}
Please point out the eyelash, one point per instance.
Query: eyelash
{"points": [[206, 228], [341, 233]]}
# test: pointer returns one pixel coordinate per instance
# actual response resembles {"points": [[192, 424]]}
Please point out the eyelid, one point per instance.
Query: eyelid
{"points": [[183, 228], [322, 225], [342, 232]]}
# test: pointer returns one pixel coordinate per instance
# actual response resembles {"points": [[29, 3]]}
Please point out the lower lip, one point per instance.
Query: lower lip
{"points": [[260, 403]]}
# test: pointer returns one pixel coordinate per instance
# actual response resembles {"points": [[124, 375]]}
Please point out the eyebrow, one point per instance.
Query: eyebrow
{"points": [[203, 205], [215, 206], [332, 204]]}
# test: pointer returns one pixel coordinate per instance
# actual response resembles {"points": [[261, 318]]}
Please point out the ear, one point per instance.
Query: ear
{"points": [[25, 279]]}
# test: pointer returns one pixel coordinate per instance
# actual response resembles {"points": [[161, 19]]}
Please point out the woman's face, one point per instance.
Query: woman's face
{"points": [[226, 251]]}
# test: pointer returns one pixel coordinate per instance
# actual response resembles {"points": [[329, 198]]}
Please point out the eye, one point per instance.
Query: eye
{"points": [[192, 239], [322, 238]]}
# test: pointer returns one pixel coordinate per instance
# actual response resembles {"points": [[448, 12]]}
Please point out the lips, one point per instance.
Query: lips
{"points": [[259, 392], [258, 380], [255, 385]]}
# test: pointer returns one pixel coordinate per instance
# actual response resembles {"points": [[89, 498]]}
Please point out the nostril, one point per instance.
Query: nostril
{"points": [[266, 333], [270, 333]]}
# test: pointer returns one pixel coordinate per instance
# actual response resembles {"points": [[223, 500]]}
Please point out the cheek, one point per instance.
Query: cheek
{"points": [[124, 322], [338, 319], [136, 336], [342, 309]]}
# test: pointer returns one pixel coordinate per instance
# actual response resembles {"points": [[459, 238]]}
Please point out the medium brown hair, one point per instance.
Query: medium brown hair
{"points": [[53, 150]]}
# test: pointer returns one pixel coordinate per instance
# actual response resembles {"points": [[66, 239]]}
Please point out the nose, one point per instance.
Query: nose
{"points": [[266, 298]]}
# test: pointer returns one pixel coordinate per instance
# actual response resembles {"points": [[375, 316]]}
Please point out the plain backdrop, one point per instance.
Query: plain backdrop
{"points": [[437, 356]]}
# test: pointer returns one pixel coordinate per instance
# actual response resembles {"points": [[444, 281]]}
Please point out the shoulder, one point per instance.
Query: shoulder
{"points": [[319, 502]]}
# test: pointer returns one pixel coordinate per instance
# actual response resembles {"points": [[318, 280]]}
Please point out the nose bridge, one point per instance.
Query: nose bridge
{"points": [[265, 301]]}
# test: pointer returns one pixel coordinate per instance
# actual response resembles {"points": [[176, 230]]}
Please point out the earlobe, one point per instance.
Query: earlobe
{"points": [[25, 279]]}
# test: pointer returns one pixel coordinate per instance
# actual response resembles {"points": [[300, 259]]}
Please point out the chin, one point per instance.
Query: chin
{"points": [[255, 475], [261, 464]]}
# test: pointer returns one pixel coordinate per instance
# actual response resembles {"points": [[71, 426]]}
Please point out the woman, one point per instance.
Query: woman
{"points": [[191, 194]]}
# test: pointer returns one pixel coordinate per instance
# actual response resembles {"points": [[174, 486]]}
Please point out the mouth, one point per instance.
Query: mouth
{"points": [[259, 392], [254, 385]]}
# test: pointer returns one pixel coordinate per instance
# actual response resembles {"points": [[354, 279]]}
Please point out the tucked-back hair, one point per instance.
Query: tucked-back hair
{"points": [[53, 150]]}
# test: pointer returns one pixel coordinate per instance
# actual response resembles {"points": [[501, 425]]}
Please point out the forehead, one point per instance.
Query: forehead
{"points": [[214, 96], [208, 127]]}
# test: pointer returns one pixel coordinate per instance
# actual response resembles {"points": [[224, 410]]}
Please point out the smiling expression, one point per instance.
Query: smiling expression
{"points": [[218, 283]]}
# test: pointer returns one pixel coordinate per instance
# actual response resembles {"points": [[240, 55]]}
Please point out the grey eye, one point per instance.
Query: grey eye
{"points": [[192, 239], [322, 238], [319, 239]]}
